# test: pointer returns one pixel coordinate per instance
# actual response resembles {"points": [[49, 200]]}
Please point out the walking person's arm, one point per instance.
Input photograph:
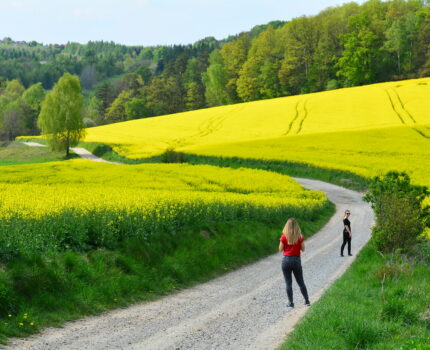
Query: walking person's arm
{"points": [[348, 230], [302, 243], [281, 246]]}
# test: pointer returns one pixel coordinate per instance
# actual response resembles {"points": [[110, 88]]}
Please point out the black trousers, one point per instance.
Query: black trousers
{"points": [[346, 239], [293, 264]]}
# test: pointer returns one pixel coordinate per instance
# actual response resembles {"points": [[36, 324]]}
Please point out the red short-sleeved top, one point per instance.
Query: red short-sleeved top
{"points": [[291, 249]]}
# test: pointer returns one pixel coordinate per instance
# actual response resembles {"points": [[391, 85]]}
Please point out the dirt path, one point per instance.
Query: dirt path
{"points": [[81, 152], [244, 309]]}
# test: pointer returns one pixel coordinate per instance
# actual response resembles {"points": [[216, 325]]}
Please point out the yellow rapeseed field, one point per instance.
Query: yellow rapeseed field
{"points": [[62, 205], [367, 153], [359, 108]]}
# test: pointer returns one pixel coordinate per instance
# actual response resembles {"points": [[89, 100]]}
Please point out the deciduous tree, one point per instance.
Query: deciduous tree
{"points": [[60, 118]]}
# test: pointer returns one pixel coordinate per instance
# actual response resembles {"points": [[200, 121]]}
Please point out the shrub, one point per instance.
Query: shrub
{"points": [[171, 156], [400, 215]]}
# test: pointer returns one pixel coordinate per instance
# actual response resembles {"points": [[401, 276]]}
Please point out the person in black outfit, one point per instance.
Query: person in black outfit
{"points": [[347, 235]]}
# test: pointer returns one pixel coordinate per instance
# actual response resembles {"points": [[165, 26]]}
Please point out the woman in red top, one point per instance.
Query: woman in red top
{"points": [[292, 242]]}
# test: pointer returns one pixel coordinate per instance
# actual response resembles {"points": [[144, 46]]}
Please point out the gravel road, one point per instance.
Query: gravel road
{"points": [[244, 309]]}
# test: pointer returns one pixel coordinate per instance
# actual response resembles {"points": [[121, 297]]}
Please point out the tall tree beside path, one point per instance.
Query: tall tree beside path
{"points": [[60, 118]]}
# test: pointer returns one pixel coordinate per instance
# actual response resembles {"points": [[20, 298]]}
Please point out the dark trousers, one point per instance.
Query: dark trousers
{"points": [[292, 264], [346, 239]]}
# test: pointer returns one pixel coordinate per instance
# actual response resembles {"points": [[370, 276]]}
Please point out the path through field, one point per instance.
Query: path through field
{"points": [[81, 152], [244, 309]]}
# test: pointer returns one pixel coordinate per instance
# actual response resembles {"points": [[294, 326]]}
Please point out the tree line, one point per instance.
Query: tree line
{"points": [[342, 46]]}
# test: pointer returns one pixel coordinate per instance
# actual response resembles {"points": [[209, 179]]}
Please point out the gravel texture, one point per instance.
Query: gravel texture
{"points": [[244, 309]]}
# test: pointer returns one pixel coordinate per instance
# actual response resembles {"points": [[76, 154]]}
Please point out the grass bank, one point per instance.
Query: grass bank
{"points": [[380, 303], [45, 290], [15, 153]]}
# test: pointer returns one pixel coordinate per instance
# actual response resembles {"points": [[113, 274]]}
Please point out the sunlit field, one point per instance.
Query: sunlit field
{"points": [[359, 108], [366, 153], [81, 205]]}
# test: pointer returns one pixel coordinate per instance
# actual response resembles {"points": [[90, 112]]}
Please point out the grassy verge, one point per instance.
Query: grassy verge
{"points": [[365, 310], [107, 153], [47, 290], [17, 153]]}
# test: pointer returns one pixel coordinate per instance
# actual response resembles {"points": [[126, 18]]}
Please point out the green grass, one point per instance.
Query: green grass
{"points": [[355, 313], [107, 153], [54, 288], [17, 153]]}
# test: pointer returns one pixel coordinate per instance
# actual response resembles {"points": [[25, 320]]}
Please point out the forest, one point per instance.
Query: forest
{"points": [[343, 46]]}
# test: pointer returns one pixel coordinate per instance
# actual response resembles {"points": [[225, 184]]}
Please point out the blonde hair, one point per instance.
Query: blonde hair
{"points": [[292, 231], [346, 211]]}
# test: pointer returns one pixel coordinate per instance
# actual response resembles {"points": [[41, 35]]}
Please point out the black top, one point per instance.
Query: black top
{"points": [[346, 222]]}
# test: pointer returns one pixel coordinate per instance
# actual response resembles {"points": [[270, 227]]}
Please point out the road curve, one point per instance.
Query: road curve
{"points": [[244, 309]]}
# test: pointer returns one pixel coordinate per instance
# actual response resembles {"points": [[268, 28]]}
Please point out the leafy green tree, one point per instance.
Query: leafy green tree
{"points": [[400, 214], [136, 108], [195, 98], [195, 91], [116, 111], [60, 118], [330, 24], [14, 89], [400, 39], [13, 124], [164, 96], [300, 39], [92, 112], [359, 59], [145, 73], [422, 44], [234, 54], [32, 100], [259, 75], [105, 95], [215, 81]]}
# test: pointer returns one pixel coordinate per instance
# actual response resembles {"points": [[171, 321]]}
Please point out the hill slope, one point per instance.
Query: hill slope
{"points": [[359, 108]]}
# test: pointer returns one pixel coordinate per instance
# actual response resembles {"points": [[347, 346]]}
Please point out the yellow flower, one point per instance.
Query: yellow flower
{"points": [[10, 315], [31, 323], [21, 324]]}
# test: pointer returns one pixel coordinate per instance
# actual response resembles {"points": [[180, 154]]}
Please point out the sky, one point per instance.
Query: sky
{"points": [[144, 22]]}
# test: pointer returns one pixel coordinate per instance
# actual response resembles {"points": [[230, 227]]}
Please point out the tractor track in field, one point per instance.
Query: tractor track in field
{"points": [[243, 309], [296, 115], [305, 115], [300, 115], [405, 117]]}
